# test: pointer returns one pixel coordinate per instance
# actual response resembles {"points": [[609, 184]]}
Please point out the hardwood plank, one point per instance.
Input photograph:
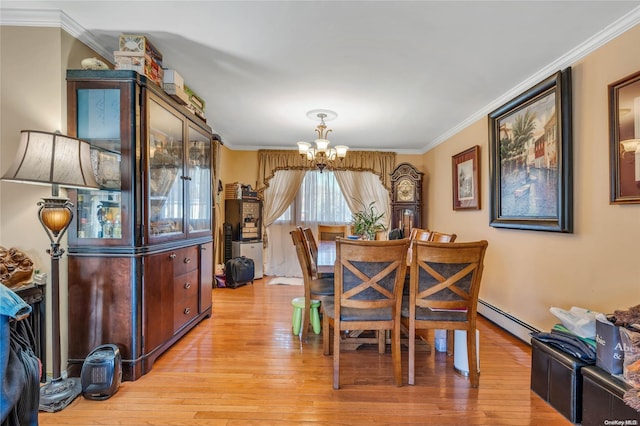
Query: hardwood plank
{"points": [[243, 366]]}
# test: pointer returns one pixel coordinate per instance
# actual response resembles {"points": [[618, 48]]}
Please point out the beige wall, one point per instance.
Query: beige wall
{"points": [[526, 272], [33, 97]]}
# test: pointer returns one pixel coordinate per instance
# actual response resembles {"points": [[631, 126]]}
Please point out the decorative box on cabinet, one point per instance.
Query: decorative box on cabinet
{"points": [[140, 247]]}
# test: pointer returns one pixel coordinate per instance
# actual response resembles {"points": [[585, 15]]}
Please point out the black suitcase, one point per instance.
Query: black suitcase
{"points": [[239, 271]]}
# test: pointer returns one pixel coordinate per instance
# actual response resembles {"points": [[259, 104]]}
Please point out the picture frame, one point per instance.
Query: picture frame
{"points": [[531, 165], [624, 140], [465, 172]]}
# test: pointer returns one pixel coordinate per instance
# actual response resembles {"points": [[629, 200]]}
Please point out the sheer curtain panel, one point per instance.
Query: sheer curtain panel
{"points": [[277, 197], [362, 188]]}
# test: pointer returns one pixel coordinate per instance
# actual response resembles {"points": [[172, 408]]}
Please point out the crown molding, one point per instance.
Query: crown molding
{"points": [[612, 31], [52, 18]]}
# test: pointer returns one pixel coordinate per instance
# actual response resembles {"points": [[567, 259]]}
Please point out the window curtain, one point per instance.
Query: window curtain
{"points": [[280, 252], [277, 196], [379, 163], [362, 188], [218, 213]]}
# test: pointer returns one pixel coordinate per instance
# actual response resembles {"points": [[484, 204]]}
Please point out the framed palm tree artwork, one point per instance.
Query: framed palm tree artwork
{"points": [[531, 158]]}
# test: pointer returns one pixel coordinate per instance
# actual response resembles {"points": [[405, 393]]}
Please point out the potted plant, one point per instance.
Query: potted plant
{"points": [[366, 222]]}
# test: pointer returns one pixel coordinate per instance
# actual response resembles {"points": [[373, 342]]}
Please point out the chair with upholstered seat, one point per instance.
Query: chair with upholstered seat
{"points": [[331, 232], [314, 288], [369, 277], [443, 294]]}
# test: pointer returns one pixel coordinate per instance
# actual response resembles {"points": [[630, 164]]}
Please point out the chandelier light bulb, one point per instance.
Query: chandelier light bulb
{"points": [[341, 150], [322, 145], [303, 148]]}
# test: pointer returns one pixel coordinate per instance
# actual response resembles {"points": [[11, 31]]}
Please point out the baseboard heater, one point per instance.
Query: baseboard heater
{"points": [[506, 321]]}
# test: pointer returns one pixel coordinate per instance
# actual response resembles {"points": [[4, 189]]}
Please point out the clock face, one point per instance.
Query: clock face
{"points": [[406, 190]]}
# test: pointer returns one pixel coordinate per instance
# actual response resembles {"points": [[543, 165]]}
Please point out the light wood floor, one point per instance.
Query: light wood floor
{"points": [[243, 366]]}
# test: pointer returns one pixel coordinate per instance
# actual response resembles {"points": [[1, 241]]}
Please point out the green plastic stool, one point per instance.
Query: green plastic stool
{"points": [[296, 320]]}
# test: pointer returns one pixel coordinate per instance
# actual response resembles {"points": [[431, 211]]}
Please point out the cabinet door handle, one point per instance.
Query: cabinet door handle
{"points": [[187, 311], [172, 256], [187, 260], [187, 285], [185, 177]]}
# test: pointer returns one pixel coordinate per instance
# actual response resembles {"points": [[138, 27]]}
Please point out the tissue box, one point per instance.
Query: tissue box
{"points": [[609, 351]]}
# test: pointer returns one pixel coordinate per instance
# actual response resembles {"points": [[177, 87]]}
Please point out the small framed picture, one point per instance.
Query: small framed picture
{"points": [[624, 135], [465, 170]]}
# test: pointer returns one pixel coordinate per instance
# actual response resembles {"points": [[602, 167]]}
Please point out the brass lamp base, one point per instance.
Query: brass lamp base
{"points": [[59, 393]]}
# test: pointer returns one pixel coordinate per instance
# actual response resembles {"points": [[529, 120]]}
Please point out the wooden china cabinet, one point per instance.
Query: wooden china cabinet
{"points": [[141, 246]]}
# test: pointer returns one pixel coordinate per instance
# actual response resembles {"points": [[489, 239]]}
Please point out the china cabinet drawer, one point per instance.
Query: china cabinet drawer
{"points": [[186, 260]]}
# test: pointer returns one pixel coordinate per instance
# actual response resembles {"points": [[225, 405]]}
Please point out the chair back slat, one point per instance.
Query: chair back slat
{"points": [[332, 232], [311, 243], [440, 237], [370, 274], [303, 254]]}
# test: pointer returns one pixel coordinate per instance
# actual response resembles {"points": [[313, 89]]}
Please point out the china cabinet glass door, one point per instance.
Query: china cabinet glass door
{"points": [[166, 172], [199, 181], [98, 122]]}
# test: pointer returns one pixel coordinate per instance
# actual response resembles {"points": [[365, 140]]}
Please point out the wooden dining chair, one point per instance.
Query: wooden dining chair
{"points": [[439, 237], [417, 234], [443, 294], [331, 232], [314, 288], [313, 251], [369, 277]]}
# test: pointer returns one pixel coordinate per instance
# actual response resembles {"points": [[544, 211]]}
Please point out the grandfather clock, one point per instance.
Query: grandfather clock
{"points": [[406, 198]]}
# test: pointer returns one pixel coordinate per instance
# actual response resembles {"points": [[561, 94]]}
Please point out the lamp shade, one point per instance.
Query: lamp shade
{"points": [[52, 158], [303, 148]]}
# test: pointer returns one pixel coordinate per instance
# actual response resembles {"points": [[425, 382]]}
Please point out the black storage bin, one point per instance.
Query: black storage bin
{"points": [[556, 378], [602, 399]]}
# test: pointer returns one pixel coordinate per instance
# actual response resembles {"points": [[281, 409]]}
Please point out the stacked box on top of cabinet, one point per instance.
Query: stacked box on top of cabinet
{"points": [[138, 54], [196, 104], [174, 86]]}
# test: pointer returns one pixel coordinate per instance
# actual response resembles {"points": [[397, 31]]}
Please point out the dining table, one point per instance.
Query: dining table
{"points": [[326, 257]]}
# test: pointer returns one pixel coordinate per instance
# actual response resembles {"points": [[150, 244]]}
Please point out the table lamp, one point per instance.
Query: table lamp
{"points": [[57, 160]]}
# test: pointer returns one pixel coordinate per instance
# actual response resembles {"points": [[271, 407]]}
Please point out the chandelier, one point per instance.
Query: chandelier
{"points": [[320, 155]]}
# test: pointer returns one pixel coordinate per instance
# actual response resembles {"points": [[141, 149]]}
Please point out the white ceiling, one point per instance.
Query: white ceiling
{"points": [[402, 76]]}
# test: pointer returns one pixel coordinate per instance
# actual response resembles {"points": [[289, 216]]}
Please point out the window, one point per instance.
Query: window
{"points": [[319, 200]]}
